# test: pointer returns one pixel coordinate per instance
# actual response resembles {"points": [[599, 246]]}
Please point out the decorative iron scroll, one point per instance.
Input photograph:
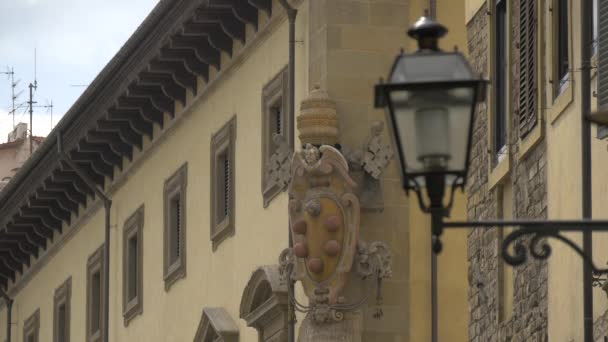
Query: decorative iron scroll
{"points": [[538, 247]]}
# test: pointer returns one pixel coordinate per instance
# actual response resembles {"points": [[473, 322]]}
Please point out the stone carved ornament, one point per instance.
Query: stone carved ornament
{"points": [[318, 125], [324, 215]]}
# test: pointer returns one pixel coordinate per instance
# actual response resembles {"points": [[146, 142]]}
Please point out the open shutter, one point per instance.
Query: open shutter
{"points": [[527, 67], [602, 83]]}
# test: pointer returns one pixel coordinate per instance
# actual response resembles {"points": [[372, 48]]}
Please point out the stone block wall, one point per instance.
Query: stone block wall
{"points": [[528, 180]]}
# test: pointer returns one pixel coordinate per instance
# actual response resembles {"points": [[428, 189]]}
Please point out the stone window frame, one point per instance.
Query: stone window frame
{"points": [[264, 304], [560, 96], [175, 185], [499, 168], [32, 327], [223, 144], [95, 263], [216, 325], [133, 226], [276, 91], [63, 296]]}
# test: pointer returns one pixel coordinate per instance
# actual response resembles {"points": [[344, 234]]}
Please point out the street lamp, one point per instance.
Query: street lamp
{"points": [[430, 99]]}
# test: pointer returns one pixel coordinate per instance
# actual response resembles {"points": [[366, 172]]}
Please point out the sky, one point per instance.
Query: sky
{"points": [[73, 40]]}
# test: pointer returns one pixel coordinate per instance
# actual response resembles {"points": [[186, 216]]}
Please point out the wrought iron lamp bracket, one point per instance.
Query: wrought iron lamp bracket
{"points": [[530, 240]]}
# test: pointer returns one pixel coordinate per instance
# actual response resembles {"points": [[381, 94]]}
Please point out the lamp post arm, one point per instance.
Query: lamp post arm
{"points": [[531, 238], [549, 225]]}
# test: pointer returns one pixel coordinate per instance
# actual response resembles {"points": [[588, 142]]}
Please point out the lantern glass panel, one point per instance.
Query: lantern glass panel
{"points": [[431, 67], [432, 124]]}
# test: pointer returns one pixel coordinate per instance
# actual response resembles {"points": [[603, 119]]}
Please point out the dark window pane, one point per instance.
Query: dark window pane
{"points": [[95, 302], [563, 63], [223, 185], [132, 268], [500, 76], [61, 323], [175, 233]]}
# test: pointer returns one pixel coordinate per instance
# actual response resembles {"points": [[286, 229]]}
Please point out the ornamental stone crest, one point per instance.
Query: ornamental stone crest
{"points": [[324, 216]]}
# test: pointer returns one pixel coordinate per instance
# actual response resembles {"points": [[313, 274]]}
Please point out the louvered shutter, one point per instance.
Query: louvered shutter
{"points": [[602, 83], [527, 67]]}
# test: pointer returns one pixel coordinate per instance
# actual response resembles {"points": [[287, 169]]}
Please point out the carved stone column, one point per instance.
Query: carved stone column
{"points": [[324, 213]]}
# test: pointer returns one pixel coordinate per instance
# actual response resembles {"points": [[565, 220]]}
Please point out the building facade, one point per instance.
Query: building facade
{"points": [[187, 132], [15, 152], [527, 164]]}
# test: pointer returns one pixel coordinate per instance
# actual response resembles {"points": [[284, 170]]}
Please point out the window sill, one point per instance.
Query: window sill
{"points": [[133, 309], [562, 101], [223, 230], [531, 140], [499, 172], [174, 273]]}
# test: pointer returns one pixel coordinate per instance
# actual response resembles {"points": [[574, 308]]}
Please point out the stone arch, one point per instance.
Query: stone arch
{"points": [[264, 304]]}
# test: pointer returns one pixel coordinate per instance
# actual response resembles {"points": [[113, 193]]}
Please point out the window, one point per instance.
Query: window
{"points": [[95, 295], [500, 80], [31, 328], [222, 183], [132, 266], [175, 226], [528, 56], [275, 121], [562, 61], [61, 312], [216, 325]]}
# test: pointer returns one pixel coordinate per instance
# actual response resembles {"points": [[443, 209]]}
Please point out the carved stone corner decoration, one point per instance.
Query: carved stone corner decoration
{"points": [[264, 304], [278, 167], [377, 153], [367, 165]]}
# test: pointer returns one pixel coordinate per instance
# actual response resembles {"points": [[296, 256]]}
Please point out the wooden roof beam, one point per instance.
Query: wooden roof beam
{"points": [[213, 31], [36, 224], [15, 251], [11, 262], [20, 241], [59, 197], [262, 5], [94, 159], [106, 153], [243, 10], [42, 214], [183, 76], [145, 107], [229, 23], [200, 45], [28, 237], [161, 104], [113, 140], [193, 62], [123, 128], [5, 272], [53, 208], [131, 116], [69, 190]]}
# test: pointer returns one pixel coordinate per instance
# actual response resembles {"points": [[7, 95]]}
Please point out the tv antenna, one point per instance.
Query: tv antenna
{"points": [[33, 86], [10, 73]]}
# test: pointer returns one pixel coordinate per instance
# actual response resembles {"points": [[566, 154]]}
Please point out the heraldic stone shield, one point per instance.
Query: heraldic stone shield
{"points": [[324, 219]]}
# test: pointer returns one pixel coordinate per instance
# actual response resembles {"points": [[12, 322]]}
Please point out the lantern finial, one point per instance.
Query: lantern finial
{"points": [[427, 31]]}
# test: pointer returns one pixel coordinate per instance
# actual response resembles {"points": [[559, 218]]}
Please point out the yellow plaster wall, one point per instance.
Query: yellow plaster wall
{"points": [[452, 262], [564, 189], [213, 278]]}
